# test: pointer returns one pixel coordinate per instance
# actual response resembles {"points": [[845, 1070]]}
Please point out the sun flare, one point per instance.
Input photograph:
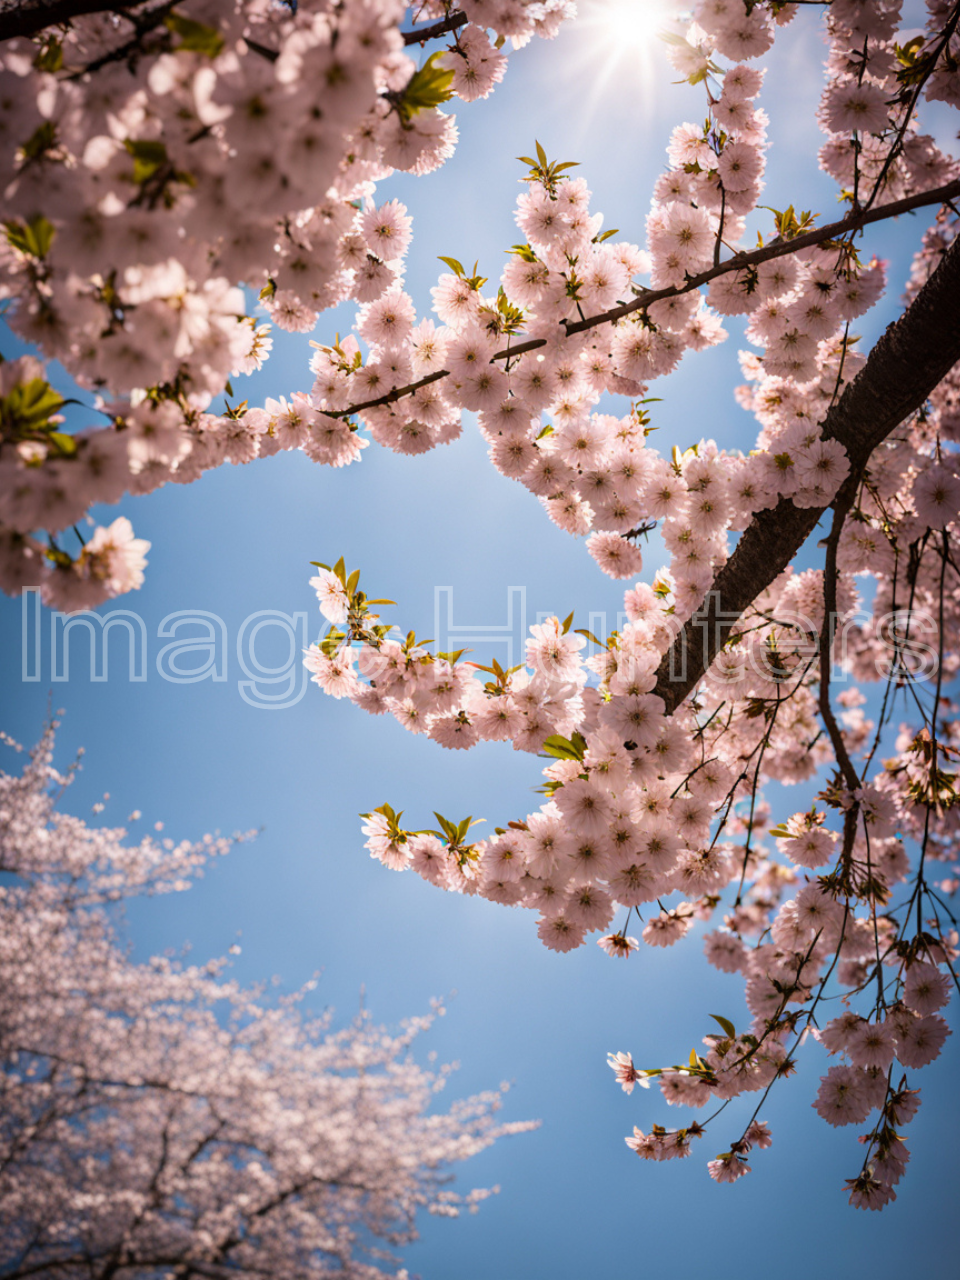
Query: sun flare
{"points": [[629, 25], [619, 49]]}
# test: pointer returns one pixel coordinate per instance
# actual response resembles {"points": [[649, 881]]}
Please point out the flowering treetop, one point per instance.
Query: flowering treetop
{"points": [[160, 1119]]}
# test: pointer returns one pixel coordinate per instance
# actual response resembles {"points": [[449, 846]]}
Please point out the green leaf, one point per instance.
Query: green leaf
{"points": [[463, 829], [524, 252], [65, 444], [237, 411], [788, 224], [149, 156], [541, 170], [42, 140], [33, 237], [50, 57], [781, 832], [331, 642], [29, 406], [268, 290], [340, 569], [58, 557], [567, 622], [582, 631], [511, 316], [449, 830], [455, 266], [476, 281], [562, 748], [426, 89], [194, 37], [726, 1024], [352, 582], [453, 657], [907, 53]]}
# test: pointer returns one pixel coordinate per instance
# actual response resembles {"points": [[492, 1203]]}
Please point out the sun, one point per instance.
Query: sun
{"points": [[630, 25], [617, 49]]}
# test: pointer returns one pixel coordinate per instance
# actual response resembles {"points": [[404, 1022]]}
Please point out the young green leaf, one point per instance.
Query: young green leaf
{"points": [[562, 748], [726, 1024], [33, 237], [426, 89], [149, 156], [65, 444], [50, 57], [194, 37]]}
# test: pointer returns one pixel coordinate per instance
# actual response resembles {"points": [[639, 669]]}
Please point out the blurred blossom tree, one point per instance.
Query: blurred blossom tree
{"points": [[156, 154], [159, 1120]]}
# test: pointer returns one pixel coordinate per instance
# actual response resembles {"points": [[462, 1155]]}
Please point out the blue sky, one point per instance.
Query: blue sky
{"points": [[305, 895]]}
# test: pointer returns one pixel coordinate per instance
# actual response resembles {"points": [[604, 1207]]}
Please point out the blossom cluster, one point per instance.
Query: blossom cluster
{"points": [[149, 163], [229, 103]]}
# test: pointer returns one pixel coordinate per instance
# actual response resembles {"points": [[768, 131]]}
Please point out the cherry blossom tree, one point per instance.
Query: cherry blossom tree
{"points": [[157, 1119], [156, 155]]}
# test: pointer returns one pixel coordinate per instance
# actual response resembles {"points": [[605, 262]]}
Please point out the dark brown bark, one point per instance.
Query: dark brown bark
{"points": [[911, 357], [457, 18], [24, 18], [30, 17]]}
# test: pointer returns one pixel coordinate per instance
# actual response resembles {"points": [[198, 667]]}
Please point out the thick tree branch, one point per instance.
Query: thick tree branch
{"points": [[912, 356], [29, 17], [25, 18], [143, 24]]}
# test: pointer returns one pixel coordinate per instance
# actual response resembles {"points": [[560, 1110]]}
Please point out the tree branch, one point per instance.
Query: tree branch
{"points": [[775, 249], [911, 357], [449, 23], [143, 24], [24, 18]]}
